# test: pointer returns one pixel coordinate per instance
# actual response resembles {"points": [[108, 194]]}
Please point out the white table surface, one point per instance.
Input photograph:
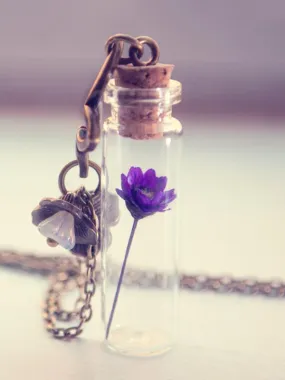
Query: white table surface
{"points": [[234, 191]]}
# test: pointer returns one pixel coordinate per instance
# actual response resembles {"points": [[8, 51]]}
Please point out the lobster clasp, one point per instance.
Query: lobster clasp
{"points": [[88, 136]]}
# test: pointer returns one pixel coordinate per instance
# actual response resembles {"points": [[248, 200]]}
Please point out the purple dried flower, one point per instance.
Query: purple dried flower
{"points": [[144, 192]]}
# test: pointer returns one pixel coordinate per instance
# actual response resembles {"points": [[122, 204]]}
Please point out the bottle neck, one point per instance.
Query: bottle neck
{"points": [[144, 121], [142, 113]]}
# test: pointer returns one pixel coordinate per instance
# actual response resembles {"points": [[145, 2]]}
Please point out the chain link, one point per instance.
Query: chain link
{"points": [[61, 282], [38, 264], [69, 276], [136, 49]]}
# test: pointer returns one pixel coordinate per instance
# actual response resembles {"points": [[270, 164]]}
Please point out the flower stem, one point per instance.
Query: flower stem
{"points": [[135, 223]]}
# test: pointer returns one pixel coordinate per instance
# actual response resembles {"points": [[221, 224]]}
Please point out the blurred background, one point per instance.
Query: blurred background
{"points": [[229, 54]]}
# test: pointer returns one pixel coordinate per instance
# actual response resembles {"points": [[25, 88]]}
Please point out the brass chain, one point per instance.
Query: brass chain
{"points": [[60, 283], [66, 280], [38, 264], [68, 271], [67, 276]]}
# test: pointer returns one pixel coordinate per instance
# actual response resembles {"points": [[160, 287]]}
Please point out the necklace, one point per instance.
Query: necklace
{"points": [[67, 274]]}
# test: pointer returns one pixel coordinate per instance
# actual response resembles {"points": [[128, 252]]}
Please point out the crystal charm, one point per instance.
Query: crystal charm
{"points": [[60, 228]]}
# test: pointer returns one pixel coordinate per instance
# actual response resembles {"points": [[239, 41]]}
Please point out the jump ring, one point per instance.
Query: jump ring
{"points": [[152, 44], [72, 164], [128, 39]]}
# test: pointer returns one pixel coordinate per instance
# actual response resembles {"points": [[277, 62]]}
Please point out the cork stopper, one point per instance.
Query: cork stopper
{"points": [[129, 76], [143, 120]]}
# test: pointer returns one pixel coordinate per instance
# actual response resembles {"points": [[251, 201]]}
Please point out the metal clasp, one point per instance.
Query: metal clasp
{"points": [[88, 136]]}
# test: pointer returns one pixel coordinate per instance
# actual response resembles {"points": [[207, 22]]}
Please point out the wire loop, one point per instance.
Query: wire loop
{"points": [[72, 164]]}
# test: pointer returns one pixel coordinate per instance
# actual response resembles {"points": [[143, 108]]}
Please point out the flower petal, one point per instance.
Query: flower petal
{"points": [[135, 176], [163, 209], [121, 194], [156, 200], [136, 212], [141, 200], [124, 184], [168, 196], [149, 179], [144, 192], [160, 183]]}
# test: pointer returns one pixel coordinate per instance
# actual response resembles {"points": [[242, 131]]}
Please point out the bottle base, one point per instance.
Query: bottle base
{"points": [[134, 343]]}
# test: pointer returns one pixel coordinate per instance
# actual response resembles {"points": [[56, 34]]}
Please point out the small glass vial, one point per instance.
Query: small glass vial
{"points": [[141, 133]]}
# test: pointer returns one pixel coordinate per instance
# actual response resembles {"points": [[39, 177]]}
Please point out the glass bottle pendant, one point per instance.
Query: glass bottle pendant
{"points": [[143, 169]]}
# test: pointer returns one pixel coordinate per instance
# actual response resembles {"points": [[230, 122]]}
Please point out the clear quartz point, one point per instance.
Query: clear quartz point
{"points": [[60, 228]]}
